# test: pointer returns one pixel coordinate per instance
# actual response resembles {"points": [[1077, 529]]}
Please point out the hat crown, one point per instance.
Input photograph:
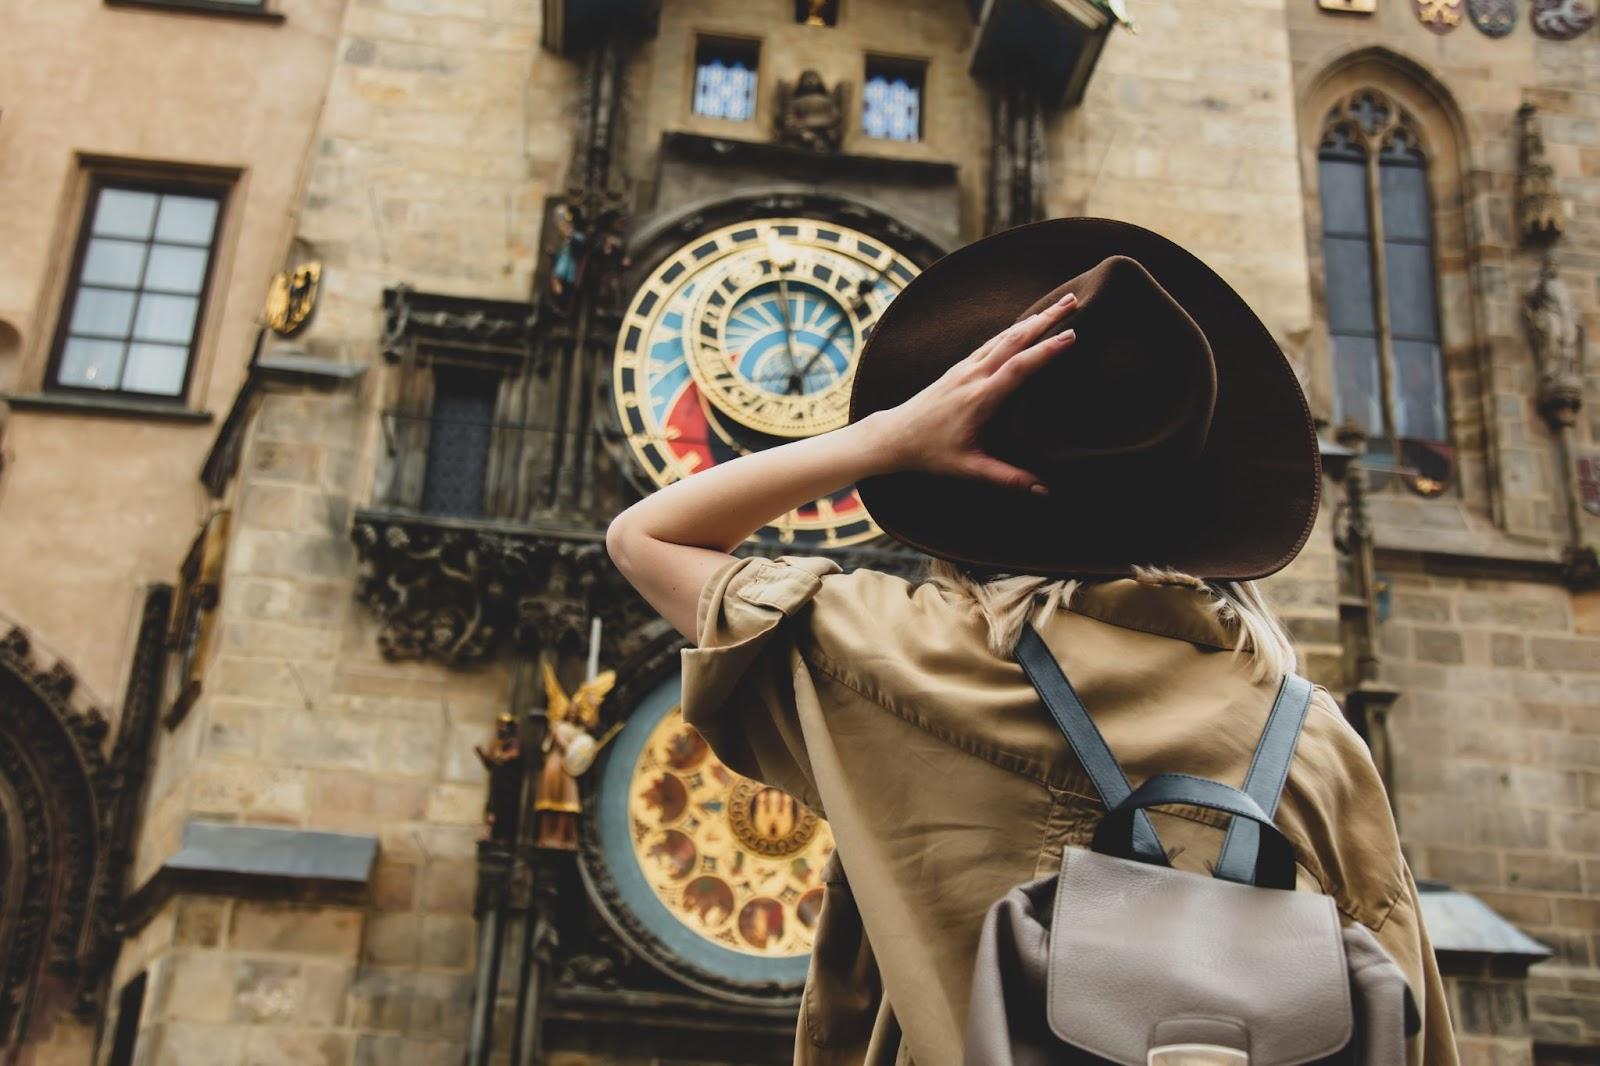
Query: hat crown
{"points": [[1137, 387]]}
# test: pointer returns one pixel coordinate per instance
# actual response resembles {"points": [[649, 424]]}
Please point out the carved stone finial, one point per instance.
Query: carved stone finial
{"points": [[1539, 211], [1558, 342], [808, 115]]}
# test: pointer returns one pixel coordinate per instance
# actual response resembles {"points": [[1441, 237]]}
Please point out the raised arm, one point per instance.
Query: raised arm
{"points": [[668, 544]]}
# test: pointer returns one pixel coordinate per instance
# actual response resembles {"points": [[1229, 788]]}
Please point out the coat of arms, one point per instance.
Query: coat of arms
{"points": [[1496, 18], [1560, 20], [291, 298], [1440, 16]]}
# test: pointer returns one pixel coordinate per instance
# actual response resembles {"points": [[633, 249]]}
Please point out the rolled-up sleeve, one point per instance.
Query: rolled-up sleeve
{"points": [[743, 681]]}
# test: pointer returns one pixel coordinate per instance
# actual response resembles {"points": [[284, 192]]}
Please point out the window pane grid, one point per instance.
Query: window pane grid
{"points": [[135, 302], [892, 101], [725, 79]]}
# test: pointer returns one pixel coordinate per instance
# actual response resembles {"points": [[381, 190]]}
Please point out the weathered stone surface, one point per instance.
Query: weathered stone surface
{"points": [[294, 928]]}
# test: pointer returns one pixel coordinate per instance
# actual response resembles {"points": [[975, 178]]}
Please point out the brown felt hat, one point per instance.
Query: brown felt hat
{"points": [[1173, 432]]}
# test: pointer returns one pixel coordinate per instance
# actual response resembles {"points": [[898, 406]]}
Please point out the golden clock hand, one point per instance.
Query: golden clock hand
{"points": [[788, 330]]}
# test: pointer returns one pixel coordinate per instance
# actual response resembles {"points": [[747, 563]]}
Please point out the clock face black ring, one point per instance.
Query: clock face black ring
{"points": [[748, 337], [715, 876]]}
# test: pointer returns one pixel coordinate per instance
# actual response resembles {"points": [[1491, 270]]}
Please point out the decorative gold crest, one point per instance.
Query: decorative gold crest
{"points": [[1356, 7], [291, 298], [1440, 16]]}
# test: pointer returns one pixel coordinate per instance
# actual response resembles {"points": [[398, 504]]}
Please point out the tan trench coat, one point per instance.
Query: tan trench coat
{"points": [[877, 702]]}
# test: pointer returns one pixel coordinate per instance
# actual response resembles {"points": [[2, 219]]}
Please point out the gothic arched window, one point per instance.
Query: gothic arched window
{"points": [[1382, 299]]}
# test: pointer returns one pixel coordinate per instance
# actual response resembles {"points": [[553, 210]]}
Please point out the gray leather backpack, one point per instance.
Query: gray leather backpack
{"points": [[1119, 958]]}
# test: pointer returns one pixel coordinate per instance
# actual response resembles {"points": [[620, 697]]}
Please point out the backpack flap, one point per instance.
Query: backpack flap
{"points": [[1145, 957]]}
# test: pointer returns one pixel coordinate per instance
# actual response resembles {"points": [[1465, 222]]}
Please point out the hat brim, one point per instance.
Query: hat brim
{"points": [[1243, 510]]}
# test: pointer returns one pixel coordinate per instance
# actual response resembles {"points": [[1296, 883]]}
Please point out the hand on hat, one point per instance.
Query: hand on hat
{"points": [[938, 430], [670, 544]]}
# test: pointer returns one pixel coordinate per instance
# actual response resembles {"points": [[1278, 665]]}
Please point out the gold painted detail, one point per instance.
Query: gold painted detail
{"points": [[737, 862], [1358, 7], [769, 821], [292, 297]]}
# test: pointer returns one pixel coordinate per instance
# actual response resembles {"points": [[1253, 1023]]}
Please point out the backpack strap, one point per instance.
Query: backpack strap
{"points": [[1264, 781], [1274, 868], [1084, 736]]}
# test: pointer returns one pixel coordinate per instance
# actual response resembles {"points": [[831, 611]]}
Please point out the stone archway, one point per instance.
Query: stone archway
{"points": [[55, 893]]}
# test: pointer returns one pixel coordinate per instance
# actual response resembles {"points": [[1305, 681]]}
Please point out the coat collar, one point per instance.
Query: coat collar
{"points": [[1166, 610]]}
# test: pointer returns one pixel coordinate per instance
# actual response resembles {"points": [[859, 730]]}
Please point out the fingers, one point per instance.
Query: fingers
{"points": [[1008, 376], [1020, 335], [988, 468]]}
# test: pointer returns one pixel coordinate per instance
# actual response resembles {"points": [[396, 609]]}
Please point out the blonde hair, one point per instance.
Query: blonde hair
{"points": [[1008, 600]]}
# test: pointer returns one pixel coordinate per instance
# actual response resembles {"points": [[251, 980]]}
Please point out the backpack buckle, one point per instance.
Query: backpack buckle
{"points": [[1197, 1055]]}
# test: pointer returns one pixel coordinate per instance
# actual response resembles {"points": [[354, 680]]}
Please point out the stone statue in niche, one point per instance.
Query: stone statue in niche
{"points": [[569, 260], [610, 261], [809, 116], [1558, 342], [503, 760]]}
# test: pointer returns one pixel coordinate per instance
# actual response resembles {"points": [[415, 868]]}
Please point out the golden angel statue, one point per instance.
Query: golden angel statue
{"points": [[569, 748]]}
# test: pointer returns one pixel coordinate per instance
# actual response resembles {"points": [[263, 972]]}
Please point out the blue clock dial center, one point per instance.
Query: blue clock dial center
{"points": [[815, 351]]}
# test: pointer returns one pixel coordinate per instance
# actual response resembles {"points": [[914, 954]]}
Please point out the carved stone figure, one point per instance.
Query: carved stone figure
{"points": [[1539, 211], [809, 116], [570, 259], [609, 261], [1557, 339], [503, 760], [571, 720]]}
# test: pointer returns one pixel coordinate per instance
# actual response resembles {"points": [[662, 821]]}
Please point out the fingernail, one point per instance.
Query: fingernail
{"points": [[1069, 298], [1038, 489], [1066, 336]]}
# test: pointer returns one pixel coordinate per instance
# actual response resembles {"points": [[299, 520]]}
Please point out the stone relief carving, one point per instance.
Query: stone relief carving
{"points": [[66, 821], [457, 595], [1539, 211], [810, 116]]}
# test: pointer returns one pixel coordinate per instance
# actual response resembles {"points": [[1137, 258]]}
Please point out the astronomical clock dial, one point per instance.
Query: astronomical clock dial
{"points": [[747, 338], [722, 872]]}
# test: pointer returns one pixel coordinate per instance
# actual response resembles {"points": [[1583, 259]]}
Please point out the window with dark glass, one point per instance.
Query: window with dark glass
{"points": [[459, 438], [892, 99], [725, 78], [1382, 298], [816, 12], [137, 290]]}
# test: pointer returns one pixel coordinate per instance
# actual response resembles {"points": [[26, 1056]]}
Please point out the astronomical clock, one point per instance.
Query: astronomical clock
{"points": [[743, 339]]}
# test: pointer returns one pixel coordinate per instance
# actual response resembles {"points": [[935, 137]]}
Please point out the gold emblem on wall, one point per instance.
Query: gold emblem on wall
{"points": [[291, 298], [1357, 7], [1440, 16]]}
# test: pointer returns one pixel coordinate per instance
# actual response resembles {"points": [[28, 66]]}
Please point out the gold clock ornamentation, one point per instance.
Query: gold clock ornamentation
{"points": [[735, 861], [747, 337]]}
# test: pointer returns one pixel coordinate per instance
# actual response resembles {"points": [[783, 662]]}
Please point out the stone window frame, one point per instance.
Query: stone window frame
{"points": [[1370, 129], [1441, 133]]}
